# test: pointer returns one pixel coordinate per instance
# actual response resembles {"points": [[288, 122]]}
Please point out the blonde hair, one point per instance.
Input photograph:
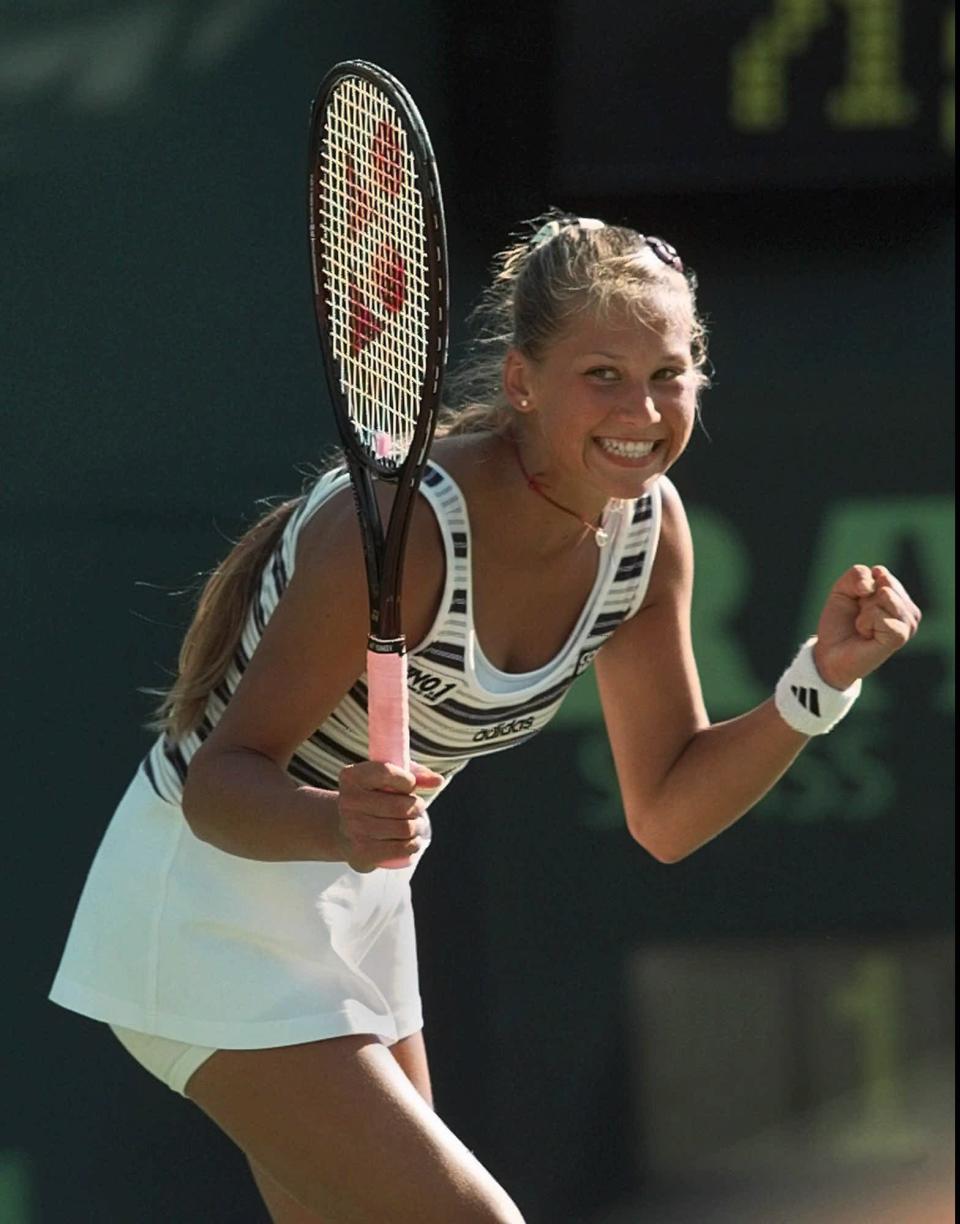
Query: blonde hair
{"points": [[211, 639], [540, 284]]}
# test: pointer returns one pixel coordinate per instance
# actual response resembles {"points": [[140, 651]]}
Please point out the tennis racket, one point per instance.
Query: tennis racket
{"points": [[378, 251]]}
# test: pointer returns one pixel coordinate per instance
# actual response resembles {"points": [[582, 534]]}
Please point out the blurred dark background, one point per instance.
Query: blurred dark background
{"points": [[759, 1032]]}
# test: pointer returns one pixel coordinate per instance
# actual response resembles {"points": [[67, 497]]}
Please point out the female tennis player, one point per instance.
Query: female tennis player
{"points": [[237, 930]]}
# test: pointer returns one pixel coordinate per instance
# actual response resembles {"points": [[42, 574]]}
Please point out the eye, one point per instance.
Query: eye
{"points": [[668, 374], [604, 373]]}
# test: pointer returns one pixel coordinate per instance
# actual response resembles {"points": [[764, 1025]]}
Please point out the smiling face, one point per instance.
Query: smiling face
{"points": [[607, 407]]}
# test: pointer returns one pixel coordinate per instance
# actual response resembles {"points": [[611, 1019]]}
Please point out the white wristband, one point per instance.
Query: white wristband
{"points": [[805, 701]]}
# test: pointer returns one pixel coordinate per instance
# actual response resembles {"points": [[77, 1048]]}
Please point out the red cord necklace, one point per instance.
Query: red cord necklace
{"points": [[600, 534]]}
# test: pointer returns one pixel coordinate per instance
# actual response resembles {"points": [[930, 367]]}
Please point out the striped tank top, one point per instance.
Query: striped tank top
{"points": [[461, 706]]}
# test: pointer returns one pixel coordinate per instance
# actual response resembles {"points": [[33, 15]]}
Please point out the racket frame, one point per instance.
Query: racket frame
{"points": [[384, 550]]}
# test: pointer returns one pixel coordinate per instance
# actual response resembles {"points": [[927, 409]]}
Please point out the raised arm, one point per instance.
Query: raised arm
{"points": [[683, 780]]}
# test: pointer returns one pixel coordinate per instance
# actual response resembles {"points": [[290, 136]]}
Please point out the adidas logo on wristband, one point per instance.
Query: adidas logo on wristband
{"points": [[808, 698], [804, 702]]}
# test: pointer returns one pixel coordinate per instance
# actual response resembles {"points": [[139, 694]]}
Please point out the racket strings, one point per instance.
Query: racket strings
{"points": [[374, 250]]}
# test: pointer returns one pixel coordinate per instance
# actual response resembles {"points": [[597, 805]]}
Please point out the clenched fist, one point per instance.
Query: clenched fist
{"points": [[868, 616], [381, 821]]}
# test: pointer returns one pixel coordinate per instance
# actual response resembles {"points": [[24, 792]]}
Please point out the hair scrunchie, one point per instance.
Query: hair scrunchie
{"points": [[553, 227]]}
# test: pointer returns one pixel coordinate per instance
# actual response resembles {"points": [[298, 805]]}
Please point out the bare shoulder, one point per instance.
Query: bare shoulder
{"points": [[672, 574], [331, 543], [331, 535], [312, 648], [475, 461], [468, 457]]}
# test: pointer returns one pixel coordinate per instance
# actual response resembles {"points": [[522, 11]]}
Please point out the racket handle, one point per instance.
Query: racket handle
{"points": [[388, 710]]}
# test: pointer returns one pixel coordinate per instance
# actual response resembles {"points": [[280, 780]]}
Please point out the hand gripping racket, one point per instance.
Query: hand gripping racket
{"points": [[378, 250]]}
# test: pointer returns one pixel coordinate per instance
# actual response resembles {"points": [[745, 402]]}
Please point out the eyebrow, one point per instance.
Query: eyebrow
{"points": [[674, 358]]}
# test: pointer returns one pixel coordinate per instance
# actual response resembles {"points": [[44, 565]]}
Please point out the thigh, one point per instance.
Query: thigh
{"points": [[411, 1055], [339, 1126]]}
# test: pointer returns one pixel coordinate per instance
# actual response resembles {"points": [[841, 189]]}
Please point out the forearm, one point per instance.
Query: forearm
{"points": [[723, 771], [243, 803]]}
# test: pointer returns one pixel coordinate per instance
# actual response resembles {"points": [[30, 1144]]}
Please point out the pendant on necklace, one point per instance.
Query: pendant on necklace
{"points": [[612, 513]]}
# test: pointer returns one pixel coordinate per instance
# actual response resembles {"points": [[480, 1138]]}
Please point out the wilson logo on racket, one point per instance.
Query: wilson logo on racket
{"points": [[388, 276], [378, 281]]}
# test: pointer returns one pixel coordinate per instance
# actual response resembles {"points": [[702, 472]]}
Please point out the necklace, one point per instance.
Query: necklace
{"points": [[601, 536]]}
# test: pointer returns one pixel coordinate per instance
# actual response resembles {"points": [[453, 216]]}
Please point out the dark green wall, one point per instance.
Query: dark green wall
{"points": [[160, 374]]}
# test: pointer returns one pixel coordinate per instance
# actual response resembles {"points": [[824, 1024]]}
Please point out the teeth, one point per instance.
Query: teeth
{"points": [[629, 450]]}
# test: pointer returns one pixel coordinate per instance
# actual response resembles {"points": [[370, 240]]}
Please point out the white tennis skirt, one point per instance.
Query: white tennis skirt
{"points": [[177, 939]]}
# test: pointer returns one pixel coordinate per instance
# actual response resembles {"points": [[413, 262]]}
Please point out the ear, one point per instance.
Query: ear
{"points": [[516, 381]]}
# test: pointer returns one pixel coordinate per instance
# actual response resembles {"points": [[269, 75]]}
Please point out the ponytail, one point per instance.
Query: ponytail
{"points": [[217, 624]]}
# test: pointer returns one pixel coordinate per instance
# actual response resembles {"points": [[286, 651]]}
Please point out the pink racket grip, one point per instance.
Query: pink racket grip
{"points": [[388, 714]]}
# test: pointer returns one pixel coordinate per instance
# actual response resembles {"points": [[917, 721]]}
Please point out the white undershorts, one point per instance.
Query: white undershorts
{"points": [[172, 1062]]}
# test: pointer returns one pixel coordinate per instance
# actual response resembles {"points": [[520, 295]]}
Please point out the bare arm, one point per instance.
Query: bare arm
{"points": [[684, 781], [238, 796]]}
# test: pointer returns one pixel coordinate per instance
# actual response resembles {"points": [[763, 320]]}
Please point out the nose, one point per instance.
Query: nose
{"points": [[645, 407]]}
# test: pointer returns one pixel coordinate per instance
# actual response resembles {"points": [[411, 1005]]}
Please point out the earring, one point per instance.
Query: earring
{"points": [[524, 403]]}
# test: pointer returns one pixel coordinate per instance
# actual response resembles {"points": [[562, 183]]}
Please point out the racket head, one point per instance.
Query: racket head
{"points": [[379, 260]]}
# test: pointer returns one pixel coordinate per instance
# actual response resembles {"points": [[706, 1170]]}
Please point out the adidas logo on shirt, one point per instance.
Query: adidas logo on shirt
{"points": [[514, 727]]}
